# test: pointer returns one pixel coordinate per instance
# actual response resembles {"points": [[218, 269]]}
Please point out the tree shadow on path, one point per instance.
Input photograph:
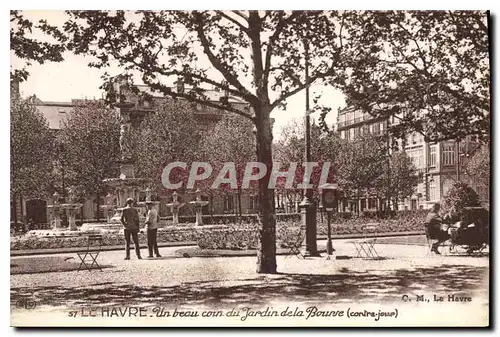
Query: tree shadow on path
{"points": [[345, 286]]}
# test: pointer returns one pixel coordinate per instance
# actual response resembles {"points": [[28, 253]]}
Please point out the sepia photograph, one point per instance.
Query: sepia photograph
{"points": [[250, 168]]}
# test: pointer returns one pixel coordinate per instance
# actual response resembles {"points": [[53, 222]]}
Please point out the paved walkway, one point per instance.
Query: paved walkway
{"points": [[225, 282]]}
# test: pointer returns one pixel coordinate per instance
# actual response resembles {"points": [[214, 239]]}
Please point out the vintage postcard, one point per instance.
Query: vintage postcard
{"points": [[250, 168]]}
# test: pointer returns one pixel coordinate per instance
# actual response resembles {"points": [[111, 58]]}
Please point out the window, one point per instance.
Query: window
{"points": [[254, 202], [448, 154], [341, 120], [356, 132], [342, 134], [349, 117], [417, 157], [376, 128], [372, 203], [413, 204], [433, 191], [363, 204], [228, 202], [432, 155], [61, 110]]}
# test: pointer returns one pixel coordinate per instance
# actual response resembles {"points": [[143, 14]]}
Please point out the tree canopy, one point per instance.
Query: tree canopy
{"points": [[255, 56], [430, 70], [168, 135], [479, 167], [89, 141], [31, 148], [29, 49]]}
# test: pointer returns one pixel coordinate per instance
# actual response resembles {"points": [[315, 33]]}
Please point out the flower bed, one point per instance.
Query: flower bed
{"points": [[234, 236], [245, 236], [169, 234]]}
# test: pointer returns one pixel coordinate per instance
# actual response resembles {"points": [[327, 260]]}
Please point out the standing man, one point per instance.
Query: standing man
{"points": [[433, 223], [152, 229], [130, 221]]}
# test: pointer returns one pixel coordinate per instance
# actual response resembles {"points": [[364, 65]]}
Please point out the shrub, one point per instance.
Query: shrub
{"points": [[234, 236], [459, 196]]}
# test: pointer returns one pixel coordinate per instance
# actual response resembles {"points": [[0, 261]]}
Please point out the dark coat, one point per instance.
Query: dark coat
{"points": [[130, 219], [433, 222]]}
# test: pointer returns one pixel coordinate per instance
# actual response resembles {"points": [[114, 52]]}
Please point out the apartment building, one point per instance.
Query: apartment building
{"points": [[439, 165]]}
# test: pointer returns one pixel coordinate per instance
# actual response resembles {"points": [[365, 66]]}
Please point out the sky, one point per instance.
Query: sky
{"points": [[73, 79]]}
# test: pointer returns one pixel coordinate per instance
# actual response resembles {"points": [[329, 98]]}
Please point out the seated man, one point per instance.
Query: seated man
{"points": [[433, 222]]}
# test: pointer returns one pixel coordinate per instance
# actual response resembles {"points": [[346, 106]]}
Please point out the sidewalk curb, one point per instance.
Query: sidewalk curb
{"points": [[373, 235], [44, 251], [192, 243]]}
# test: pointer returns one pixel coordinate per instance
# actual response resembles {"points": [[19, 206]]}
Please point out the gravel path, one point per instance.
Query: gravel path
{"points": [[223, 282]]}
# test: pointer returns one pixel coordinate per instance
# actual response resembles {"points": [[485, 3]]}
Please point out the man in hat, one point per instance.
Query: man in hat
{"points": [[152, 219], [130, 221]]}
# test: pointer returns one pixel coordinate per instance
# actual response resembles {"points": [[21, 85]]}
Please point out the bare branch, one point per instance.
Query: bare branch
{"points": [[168, 92], [204, 80], [241, 14], [299, 88], [341, 28], [290, 74], [221, 67]]}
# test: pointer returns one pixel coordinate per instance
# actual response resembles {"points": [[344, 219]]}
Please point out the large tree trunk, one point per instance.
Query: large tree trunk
{"points": [[266, 255], [14, 209], [239, 205], [98, 203]]}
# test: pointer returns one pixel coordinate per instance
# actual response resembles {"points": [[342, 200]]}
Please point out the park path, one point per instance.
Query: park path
{"points": [[171, 271]]}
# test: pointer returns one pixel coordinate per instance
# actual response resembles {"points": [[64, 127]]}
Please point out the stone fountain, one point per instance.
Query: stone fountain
{"points": [[148, 199], [71, 207], [109, 206], [174, 206], [54, 212], [198, 205]]}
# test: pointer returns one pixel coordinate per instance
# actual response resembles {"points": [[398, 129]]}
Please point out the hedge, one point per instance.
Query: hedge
{"points": [[233, 236]]}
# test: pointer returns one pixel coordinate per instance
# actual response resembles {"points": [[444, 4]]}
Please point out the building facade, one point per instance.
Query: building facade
{"points": [[438, 165], [207, 117]]}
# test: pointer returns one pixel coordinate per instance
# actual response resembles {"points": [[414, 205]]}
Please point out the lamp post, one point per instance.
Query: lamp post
{"points": [[308, 206], [329, 200]]}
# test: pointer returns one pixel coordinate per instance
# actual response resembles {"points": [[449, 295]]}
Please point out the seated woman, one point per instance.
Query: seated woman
{"points": [[434, 229]]}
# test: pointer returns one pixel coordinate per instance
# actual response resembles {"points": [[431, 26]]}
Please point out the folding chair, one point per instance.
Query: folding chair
{"points": [[94, 244], [296, 244], [369, 243], [430, 242], [365, 248], [360, 250]]}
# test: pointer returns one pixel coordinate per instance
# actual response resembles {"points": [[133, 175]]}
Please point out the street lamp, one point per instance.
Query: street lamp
{"points": [[329, 200], [308, 206]]}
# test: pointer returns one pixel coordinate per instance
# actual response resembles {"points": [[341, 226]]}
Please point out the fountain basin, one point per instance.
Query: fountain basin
{"points": [[54, 233]]}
